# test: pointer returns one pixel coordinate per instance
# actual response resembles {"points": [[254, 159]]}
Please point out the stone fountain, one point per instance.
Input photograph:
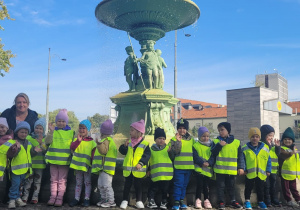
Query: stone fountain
{"points": [[146, 21]]}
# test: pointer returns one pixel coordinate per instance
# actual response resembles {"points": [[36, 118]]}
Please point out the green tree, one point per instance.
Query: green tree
{"points": [[73, 120], [96, 120], [5, 55]]}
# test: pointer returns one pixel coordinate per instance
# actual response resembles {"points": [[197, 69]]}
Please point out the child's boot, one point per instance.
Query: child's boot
{"points": [[198, 204], [74, 202], [207, 204], [51, 201], [58, 201], [12, 204]]}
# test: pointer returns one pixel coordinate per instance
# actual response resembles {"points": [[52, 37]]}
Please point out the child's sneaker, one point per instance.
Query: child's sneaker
{"points": [[276, 203], [268, 203], [74, 202], [262, 205], [163, 204], [247, 205], [198, 204], [124, 204], [235, 205], [34, 201], [51, 201], [176, 205], [139, 205], [108, 204], [86, 203], [207, 204], [152, 204], [292, 204], [100, 202], [12, 204], [183, 205], [19, 202], [221, 206]]}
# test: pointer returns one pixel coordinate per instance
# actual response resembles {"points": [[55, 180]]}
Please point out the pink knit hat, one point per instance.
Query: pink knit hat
{"points": [[62, 115], [107, 127], [139, 126], [3, 121]]}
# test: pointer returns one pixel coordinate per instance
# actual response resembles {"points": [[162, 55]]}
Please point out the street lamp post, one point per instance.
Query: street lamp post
{"points": [[175, 75], [47, 100]]}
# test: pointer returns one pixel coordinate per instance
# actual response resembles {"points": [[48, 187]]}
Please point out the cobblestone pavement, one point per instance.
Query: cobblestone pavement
{"points": [[42, 206]]}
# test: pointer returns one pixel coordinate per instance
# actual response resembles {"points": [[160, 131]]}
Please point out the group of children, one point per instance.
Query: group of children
{"points": [[24, 156]]}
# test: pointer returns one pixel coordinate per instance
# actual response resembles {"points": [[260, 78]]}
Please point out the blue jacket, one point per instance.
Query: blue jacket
{"points": [[256, 150], [218, 147]]}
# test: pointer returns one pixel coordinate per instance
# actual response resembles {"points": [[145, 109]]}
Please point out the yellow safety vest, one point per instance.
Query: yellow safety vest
{"points": [[38, 161], [161, 166], [256, 165], [204, 152], [133, 158], [107, 162], [274, 160], [185, 159], [290, 169], [3, 162], [59, 151], [226, 160], [21, 164], [82, 155]]}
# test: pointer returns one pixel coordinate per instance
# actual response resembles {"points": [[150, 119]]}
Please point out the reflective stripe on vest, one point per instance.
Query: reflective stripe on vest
{"points": [[81, 159], [204, 152], [256, 165], [38, 161], [3, 162], [274, 160], [106, 162], [290, 169], [59, 151], [132, 158], [161, 165], [185, 159], [226, 161]]}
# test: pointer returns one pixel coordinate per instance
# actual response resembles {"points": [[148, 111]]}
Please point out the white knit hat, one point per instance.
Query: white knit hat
{"points": [[3, 121]]}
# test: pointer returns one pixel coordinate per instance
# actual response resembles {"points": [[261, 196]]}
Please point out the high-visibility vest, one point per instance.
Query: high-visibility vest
{"points": [[38, 161], [274, 160], [161, 166], [59, 151], [185, 159], [132, 159], [3, 162], [82, 156], [20, 164], [226, 160], [204, 152], [256, 165], [107, 162], [290, 169]]}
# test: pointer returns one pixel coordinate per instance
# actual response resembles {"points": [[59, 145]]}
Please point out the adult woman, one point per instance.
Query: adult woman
{"points": [[20, 112]]}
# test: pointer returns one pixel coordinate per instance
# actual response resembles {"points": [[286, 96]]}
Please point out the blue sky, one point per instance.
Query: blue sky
{"points": [[231, 42]]}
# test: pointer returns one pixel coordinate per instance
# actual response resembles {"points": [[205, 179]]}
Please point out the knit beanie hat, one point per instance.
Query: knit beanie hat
{"points": [[139, 125], [159, 132], [62, 115], [42, 122], [87, 124], [107, 127], [226, 125], [183, 123], [3, 121], [265, 130], [253, 131], [288, 133], [22, 124], [201, 131]]}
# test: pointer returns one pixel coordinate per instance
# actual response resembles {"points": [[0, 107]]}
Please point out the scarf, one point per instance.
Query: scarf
{"points": [[208, 143], [135, 141]]}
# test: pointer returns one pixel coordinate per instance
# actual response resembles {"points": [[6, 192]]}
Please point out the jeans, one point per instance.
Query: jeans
{"points": [[14, 190], [226, 181]]}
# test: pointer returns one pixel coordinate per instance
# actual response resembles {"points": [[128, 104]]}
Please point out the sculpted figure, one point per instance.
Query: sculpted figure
{"points": [[149, 64], [131, 69], [162, 64]]}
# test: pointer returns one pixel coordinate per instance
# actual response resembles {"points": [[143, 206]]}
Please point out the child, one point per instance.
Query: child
{"points": [[289, 167], [161, 168], [270, 192], [137, 153], [19, 151], [183, 163], [258, 167], [104, 163], [203, 166], [59, 156], [5, 135], [83, 147], [38, 162], [229, 163]]}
